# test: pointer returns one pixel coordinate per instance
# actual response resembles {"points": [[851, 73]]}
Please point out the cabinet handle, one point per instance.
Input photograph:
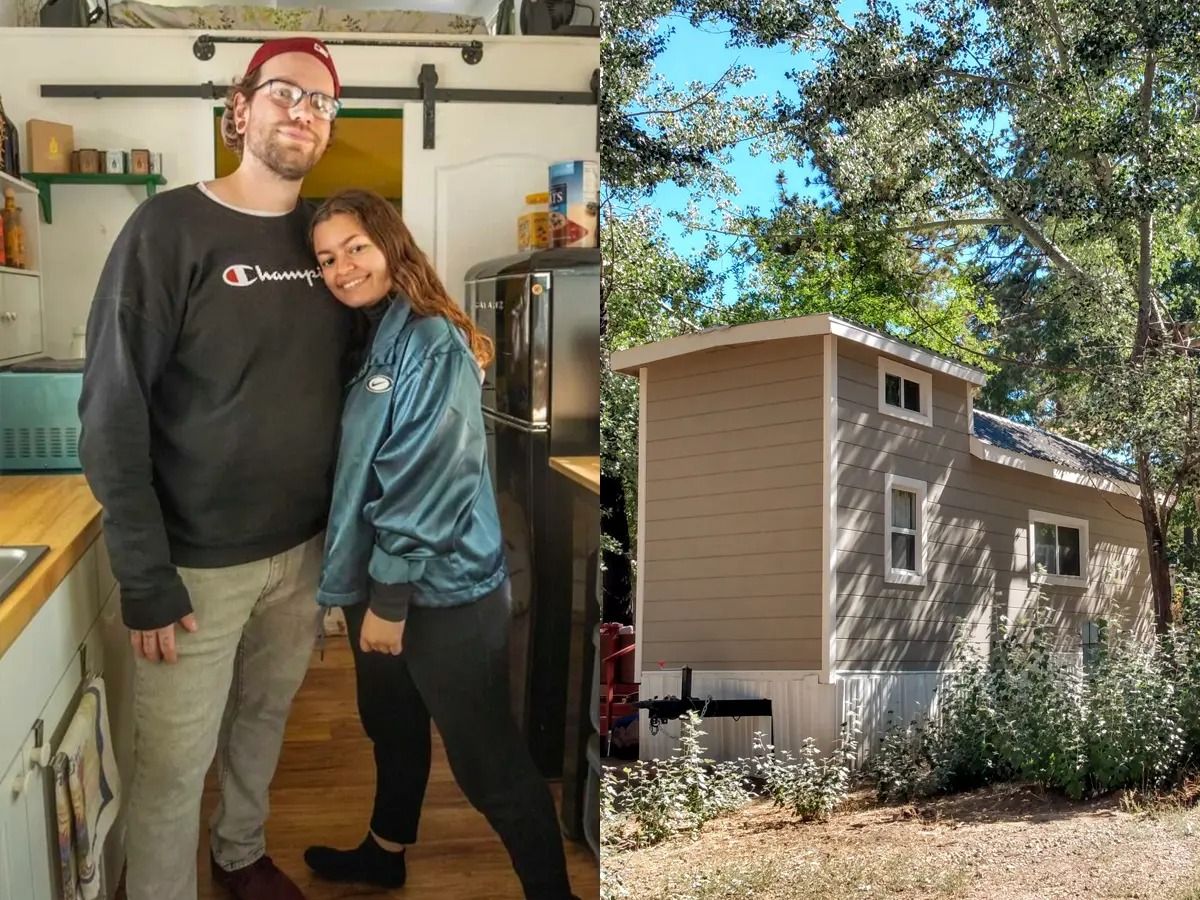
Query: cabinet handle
{"points": [[18, 784], [40, 756]]}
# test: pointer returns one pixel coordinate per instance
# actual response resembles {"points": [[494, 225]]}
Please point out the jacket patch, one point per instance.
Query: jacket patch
{"points": [[379, 384]]}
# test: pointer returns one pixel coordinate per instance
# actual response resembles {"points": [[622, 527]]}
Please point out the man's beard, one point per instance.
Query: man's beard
{"points": [[289, 161]]}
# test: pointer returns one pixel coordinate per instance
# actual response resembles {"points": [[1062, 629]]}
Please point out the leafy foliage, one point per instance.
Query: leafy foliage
{"points": [[1126, 719]]}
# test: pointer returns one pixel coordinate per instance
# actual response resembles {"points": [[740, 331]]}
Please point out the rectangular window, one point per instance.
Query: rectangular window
{"points": [[904, 541], [1058, 549], [905, 392]]}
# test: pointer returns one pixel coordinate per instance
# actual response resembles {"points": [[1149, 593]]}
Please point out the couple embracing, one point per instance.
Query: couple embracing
{"points": [[281, 414]]}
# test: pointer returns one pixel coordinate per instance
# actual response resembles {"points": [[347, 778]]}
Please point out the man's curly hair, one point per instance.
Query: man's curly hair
{"points": [[241, 87]]}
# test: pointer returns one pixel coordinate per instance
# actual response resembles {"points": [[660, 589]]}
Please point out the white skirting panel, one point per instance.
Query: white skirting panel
{"points": [[802, 707], [884, 698]]}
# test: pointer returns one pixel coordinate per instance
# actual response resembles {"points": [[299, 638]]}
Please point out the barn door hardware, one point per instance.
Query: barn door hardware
{"points": [[426, 91], [427, 81], [205, 47]]}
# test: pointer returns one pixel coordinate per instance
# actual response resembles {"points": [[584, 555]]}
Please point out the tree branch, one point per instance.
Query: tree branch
{"points": [[1146, 219], [947, 224], [699, 99], [989, 79], [1060, 44], [1018, 220]]}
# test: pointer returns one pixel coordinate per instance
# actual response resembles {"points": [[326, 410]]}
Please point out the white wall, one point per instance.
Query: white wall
{"points": [[458, 218]]}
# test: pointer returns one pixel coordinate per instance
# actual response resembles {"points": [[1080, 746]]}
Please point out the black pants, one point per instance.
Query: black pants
{"points": [[454, 669]]}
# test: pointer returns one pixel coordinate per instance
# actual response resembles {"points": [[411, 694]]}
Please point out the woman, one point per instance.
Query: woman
{"points": [[413, 554]]}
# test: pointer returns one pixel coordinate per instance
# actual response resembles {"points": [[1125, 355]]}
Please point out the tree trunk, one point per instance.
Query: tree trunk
{"points": [[617, 585], [1156, 547]]}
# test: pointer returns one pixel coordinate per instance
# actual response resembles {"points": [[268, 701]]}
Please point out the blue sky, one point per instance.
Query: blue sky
{"points": [[701, 55]]}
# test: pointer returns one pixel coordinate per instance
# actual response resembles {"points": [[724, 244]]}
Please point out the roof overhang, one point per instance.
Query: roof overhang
{"points": [[1026, 463], [630, 361]]}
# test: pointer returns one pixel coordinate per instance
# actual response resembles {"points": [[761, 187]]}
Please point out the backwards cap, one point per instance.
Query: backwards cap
{"points": [[311, 46]]}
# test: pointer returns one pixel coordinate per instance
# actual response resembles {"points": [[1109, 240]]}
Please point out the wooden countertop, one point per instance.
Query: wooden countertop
{"points": [[58, 511], [583, 470]]}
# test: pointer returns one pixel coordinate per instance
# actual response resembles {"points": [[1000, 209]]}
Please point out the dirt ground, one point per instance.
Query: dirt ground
{"points": [[1000, 843]]}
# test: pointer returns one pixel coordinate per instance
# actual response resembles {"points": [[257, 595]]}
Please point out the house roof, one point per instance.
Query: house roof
{"points": [[629, 361], [1008, 442]]}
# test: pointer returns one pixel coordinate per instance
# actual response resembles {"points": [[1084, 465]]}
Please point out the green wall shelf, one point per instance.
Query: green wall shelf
{"points": [[44, 180]]}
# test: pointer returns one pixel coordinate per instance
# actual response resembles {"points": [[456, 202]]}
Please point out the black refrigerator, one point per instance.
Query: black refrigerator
{"points": [[541, 398]]}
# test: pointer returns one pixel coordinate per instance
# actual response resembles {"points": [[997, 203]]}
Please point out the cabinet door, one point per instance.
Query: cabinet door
{"points": [[41, 820], [462, 199], [20, 315], [16, 860]]}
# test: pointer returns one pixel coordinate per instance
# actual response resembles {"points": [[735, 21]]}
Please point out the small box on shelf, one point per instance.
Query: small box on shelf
{"points": [[86, 161], [49, 146]]}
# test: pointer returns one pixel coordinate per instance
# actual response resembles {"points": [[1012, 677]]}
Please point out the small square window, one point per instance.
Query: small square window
{"points": [[905, 392], [1058, 548]]}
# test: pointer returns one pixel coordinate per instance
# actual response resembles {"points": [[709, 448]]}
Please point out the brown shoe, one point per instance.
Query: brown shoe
{"points": [[261, 880]]}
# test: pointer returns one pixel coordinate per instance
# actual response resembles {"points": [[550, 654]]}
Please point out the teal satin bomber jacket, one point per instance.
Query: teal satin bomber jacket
{"points": [[414, 515]]}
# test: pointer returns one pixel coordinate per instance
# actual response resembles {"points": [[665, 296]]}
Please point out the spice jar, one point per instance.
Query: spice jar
{"points": [[533, 225]]}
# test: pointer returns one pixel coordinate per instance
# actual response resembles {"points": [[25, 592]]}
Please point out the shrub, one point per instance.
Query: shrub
{"points": [[1130, 718], [651, 801]]}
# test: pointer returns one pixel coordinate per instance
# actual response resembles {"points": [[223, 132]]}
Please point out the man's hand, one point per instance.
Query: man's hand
{"points": [[380, 635], [159, 644]]}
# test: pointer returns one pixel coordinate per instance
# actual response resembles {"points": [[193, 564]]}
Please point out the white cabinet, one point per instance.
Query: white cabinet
{"points": [[16, 858], [20, 315], [462, 199], [77, 629], [21, 289]]}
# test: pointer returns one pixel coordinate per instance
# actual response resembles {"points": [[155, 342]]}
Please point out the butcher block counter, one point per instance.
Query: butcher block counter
{"points": [[58, 511]]}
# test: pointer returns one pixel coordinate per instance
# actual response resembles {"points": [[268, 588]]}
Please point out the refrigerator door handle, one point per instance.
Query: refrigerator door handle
{"points": [[513, 421]]}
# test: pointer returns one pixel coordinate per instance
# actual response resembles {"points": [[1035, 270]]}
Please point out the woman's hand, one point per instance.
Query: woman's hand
{"points": [[380, 635]]}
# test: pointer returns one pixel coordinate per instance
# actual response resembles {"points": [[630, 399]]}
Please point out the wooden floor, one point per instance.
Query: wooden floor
{"points": [[323, 791]]}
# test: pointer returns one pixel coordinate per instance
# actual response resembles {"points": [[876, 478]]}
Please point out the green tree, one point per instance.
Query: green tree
{"points": [[1066, 129], [654, 132]]}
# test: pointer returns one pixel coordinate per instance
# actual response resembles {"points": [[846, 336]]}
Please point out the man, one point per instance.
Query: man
{"points": [[210, 406]]}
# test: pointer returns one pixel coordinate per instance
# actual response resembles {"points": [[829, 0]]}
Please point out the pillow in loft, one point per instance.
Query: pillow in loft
{"points": [[70, 13], [138, 14]]}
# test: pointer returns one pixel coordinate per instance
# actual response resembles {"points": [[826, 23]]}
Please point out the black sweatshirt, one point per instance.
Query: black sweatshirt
{"points": [[212, 393]]}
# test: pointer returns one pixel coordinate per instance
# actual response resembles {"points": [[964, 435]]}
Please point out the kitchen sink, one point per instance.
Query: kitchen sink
{"points": [[15, 563]]}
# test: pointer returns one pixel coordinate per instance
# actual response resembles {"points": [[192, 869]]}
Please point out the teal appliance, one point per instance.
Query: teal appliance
{"points": [[39, 418]]}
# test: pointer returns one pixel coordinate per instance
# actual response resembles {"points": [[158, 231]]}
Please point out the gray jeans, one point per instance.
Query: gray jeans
{"points": [[228, 695]]}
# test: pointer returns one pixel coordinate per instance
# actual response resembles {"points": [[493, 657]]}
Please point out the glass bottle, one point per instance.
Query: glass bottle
{"points": [[14, 234], [10, 151]]}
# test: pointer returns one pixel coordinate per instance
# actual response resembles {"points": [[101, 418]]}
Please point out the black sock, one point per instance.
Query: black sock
{"points": [[367, 863]]}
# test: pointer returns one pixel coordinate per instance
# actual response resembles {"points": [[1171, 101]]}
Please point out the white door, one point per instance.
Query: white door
{"points": [[462, 199], [16, 863], [20, 315]]}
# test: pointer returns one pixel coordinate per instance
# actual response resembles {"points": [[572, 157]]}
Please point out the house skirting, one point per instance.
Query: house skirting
{"points": [[803, 707]]}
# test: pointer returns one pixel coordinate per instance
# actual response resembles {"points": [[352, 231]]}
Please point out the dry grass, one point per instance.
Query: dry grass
{"points": [[1010, 842]]}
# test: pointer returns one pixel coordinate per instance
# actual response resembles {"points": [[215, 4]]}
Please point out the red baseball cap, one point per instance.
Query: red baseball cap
{"points": [[311, 46]]}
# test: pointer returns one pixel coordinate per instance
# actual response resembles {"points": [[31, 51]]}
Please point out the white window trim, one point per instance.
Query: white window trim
{"points": [[1035, 577], [924, 379], [903, 576]]}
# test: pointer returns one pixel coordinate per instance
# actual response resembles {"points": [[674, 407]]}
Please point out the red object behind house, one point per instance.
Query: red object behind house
{"points": [[618, 683]]}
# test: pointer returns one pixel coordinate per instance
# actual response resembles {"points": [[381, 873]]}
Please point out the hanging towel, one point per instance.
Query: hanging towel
{"points": [[87, 791]]}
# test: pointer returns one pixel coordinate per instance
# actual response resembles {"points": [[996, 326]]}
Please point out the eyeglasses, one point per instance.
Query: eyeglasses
{"points": [[287, 95]]}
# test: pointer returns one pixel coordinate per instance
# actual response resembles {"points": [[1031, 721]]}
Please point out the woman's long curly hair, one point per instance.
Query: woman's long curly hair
{"points": [[412, 274]]}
